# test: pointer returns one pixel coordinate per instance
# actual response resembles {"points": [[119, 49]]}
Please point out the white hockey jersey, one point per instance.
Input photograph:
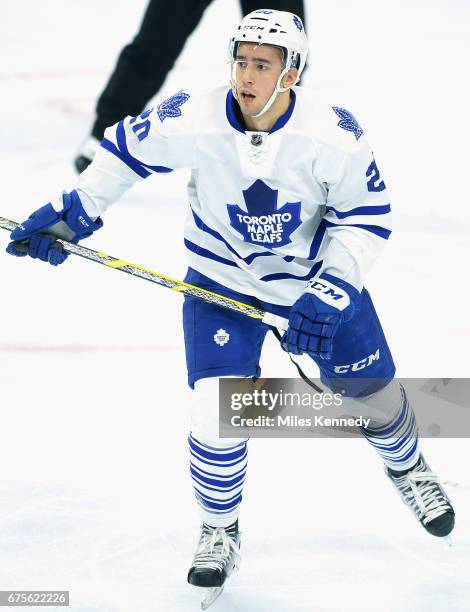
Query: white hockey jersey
{"points": [[267, 211]]}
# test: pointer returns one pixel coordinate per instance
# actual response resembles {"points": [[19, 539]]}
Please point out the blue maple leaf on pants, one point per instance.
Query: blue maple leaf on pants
{"points": [[171, 106], [263, 223], [348, 122]]}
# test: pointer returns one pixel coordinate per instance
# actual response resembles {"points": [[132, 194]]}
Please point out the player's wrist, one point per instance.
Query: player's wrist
{"points": [[76, 217], [334, 293]]}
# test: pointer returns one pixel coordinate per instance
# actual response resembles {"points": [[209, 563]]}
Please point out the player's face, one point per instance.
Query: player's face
{"points": [[257, 70]]}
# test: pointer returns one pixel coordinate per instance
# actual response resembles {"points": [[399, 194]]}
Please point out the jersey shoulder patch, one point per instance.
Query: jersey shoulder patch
{"points": [[325, 122], [171, 107], [348, 122]]}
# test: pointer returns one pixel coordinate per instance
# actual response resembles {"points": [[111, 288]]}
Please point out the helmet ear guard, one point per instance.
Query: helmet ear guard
{"points": [[278, 29]]}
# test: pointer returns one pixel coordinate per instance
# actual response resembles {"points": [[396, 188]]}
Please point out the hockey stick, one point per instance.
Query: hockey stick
{"points": [[163, 280], [275, 322]]}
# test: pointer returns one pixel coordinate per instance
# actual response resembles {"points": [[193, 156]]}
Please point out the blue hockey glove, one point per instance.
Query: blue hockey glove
{"points": [[37, 235], [315, 317]]}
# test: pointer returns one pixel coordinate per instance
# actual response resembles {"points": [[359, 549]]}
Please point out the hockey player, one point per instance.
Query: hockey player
{"points": [[287, 209], [143, 64]]}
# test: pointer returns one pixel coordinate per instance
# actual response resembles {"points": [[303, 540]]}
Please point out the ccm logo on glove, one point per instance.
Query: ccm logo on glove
{"points": [[316, 316], [330, 294]]}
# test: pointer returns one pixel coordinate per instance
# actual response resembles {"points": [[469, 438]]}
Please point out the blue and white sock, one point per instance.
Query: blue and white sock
{"points": [[218, 474], [397, 441]]}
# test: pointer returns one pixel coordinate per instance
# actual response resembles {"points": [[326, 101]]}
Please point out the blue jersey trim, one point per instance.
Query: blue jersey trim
{"points": [[121, 152], [285, 275], [230, 112], [234, 114], [205, 228], [130, 163], [191, 246], [360, 210], [374, 229], [317, 240], [283, 119], [315, 247], [208, 254]]}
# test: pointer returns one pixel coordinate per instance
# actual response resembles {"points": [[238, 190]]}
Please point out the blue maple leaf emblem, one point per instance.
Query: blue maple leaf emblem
{"points": [[263, 223], [298, 23], [171, 106], [348, 122]]}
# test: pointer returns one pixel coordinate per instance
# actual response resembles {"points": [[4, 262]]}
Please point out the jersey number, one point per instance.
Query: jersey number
{"points": [[374, 183], [141, 129]]}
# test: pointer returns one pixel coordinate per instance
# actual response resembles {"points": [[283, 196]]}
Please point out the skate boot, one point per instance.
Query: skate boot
{"points": [[86, 154], [420, 490], [217, 556]]}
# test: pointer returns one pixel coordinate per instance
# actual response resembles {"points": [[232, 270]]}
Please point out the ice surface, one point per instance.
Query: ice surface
{"points": [[94, 491]]}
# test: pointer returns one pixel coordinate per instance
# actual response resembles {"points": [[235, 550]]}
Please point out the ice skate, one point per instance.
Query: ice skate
{"points": [[420, 490], [217, 557], [86, 154]]}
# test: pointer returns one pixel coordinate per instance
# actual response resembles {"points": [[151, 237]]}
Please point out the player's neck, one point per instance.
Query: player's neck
{"points": [[265, 122]]}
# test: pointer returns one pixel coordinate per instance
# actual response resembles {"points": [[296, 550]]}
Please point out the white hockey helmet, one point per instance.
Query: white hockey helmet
{"points": [[280, 29]]}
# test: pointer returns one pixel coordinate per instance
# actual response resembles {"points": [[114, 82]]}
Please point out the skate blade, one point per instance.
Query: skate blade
{"points": [[211, 594], [449, 541]]}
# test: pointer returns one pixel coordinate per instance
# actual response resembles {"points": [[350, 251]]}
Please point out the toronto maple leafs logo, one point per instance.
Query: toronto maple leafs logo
{"points": [[263, 223], [221, 337], [348, 122], [298, 23], [171, 106]]}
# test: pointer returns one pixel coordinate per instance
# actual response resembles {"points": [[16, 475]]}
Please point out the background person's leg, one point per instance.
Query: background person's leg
{"points": [[291, 6], [145, 62]]}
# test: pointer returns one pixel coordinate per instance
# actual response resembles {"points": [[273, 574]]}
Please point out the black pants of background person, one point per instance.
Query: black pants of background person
{"points": [[144, 63]]}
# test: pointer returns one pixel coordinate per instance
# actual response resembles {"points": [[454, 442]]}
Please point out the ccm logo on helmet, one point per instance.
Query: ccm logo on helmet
{"points": [[359, 365], [253, 27]]}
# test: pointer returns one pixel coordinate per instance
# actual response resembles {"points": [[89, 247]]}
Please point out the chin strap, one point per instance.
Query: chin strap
{"points": [[270, 102], [277, 89]]}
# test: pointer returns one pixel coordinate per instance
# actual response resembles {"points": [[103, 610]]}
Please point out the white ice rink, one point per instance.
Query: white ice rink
{"points": [[95, 495]]}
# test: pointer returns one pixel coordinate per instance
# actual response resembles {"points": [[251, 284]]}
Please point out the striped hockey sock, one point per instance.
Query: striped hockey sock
{"points": [[397, 441], [218, 474]]}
